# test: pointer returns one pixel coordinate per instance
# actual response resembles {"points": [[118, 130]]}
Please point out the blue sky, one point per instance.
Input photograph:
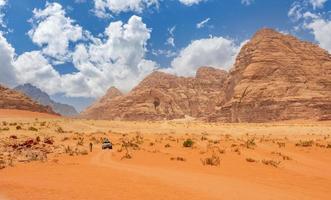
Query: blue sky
{"points": [[176, 36]]}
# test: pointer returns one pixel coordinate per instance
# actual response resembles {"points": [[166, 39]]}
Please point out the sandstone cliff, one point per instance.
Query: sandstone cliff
{"points": [[164, 96], [277, 77]]}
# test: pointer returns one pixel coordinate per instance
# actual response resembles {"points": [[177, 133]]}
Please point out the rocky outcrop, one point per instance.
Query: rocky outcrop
{"points": [[43, 98], [11, 99], [164, 96], [277, 77]]}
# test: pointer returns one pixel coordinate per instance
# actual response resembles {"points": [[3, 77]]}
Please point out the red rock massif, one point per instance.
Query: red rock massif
{"points": [[163, 96], [275, 77], [11, 99]]}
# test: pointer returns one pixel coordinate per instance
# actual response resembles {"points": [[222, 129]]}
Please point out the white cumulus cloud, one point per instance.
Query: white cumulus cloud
{"points": [[53, 31], [32, 67], [321, 29], [104, 7], [217, 52], [7, 53]]}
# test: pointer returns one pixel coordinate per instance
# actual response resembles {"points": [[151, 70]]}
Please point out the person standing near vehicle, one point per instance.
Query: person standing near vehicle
{"points": [[91, 146]]}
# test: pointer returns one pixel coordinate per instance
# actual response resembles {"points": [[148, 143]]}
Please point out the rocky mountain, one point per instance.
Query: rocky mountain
{"points": [[43, 98], [275, 77], [163, 96], [12, 99]]}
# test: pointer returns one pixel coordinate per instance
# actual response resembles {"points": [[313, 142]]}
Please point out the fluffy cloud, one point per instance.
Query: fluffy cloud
{"points": [[114, 58], [190, 2], [32, 67], [321, 29], [118, 60], [7, 53], [102, 7], [216, 51], [53, 31]]}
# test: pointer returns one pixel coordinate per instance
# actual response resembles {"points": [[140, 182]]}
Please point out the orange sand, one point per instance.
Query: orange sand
{"points": [[151, 174]]}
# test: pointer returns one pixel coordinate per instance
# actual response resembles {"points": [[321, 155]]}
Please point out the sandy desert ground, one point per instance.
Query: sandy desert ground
{"points": [[47, 157]]}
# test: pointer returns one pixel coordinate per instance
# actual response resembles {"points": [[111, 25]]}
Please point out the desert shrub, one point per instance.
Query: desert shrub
{"points": [[42, 123], [13, 137], [80, 141], [18, 127], [307, 143], [48, 140], [4, 123], [237, 150], [167, 146], [203, 138], [32, 129], [4, 129], [214, 160], [281, 144], [271, 162], [328, 146], [188, 143], [250, 143], [251, 160], [59, 130], [13, 124], [178, 158]]}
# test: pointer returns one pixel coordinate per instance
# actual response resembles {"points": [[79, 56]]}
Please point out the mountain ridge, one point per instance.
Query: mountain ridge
{"points": [[44, 99]]}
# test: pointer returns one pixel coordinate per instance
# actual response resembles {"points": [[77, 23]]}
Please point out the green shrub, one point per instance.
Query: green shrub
{"points": [[188, 143]]}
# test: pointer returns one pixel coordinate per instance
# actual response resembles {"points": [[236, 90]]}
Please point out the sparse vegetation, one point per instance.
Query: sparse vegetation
{"points": [[307, 143], [188, 143], [251, 160], [178, 158], [32, 128], [271, 162], [214, 160]]}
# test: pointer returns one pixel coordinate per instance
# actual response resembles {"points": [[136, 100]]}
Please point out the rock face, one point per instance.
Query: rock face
{"points": [[277, 77], [163, 96], [11, 99], [43, 98]]}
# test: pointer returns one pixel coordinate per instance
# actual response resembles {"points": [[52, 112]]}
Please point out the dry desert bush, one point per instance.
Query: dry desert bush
{"points": [[306, 143], [214, 160], [271, 162], [251, 160]]}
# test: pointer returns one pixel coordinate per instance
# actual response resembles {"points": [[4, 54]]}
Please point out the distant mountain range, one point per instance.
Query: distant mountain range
{"points": [[44, 99]]}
